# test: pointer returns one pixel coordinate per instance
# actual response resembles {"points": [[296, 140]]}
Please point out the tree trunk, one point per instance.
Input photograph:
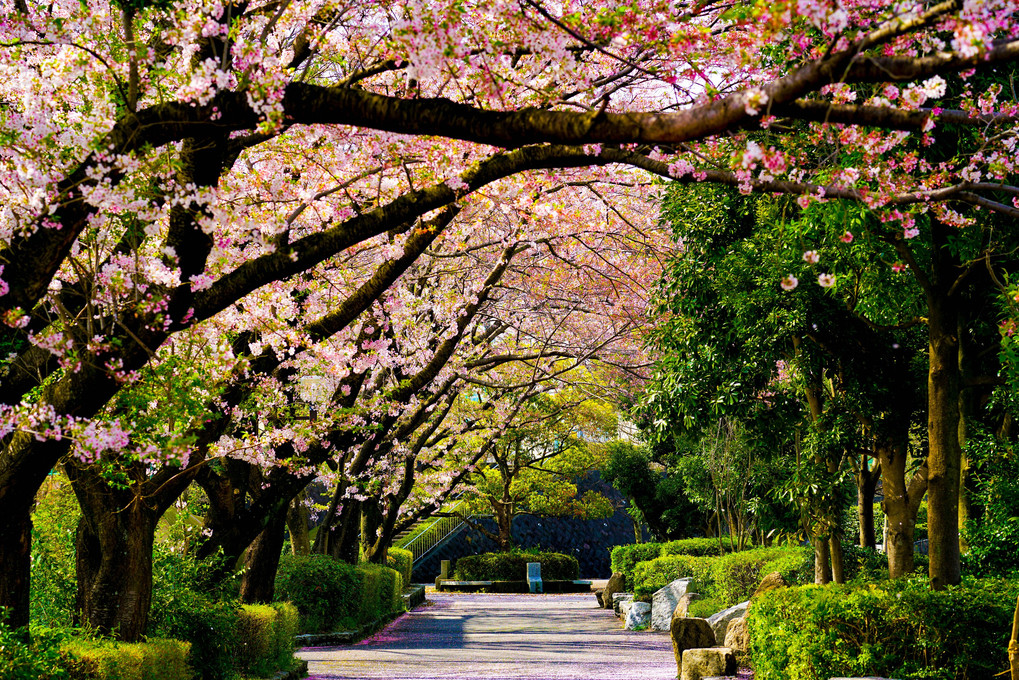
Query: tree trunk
{"points": [[944, 457], [838, 572], [16, 567], [261, 561], [371, 521], [504, 518], [113, 561], [297, 525], [822, 561], [865, 512], [901, 503]]}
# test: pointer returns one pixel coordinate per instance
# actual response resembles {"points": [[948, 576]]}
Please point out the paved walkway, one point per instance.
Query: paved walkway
{"points": [[501, 637]]}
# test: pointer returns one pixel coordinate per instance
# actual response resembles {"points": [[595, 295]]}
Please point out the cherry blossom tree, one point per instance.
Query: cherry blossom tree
{"points": [[163, 161]]}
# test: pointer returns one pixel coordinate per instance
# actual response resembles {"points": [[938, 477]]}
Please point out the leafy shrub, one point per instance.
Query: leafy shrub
{"points": [[322, 588], [36, 660], [266, 638], [108, 660], [190, 602], [402, 561], [735, 576], [512, 566], [695, 546], [898, 629], [626, 557], [657, 573], [380, 589]]}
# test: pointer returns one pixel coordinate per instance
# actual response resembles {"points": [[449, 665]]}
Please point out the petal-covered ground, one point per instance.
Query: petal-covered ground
{"points": [[501, 637]]}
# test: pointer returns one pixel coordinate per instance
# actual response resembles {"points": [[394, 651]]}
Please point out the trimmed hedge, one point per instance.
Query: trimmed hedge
{"points": [[267, 638], [381, 592], [333, 595], [402, 561], [896, 629], [649, 576], [735, 576], [695, 546], [108, 660], [512, 566], [729, 579], [626, 557]]}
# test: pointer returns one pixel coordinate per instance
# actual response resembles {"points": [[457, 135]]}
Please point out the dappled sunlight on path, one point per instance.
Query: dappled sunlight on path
{"points": [[501, 637]]}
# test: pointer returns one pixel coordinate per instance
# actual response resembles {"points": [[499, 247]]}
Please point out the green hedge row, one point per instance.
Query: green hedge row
{"points": [[512, 566], [333, 595], [267, 638], [626, 557], [402, 561], [894, 629], [729, 579], [108, 660]]}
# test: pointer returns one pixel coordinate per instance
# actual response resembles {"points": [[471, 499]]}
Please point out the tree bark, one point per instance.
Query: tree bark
{"points": [[901, 503], [16, 571], [297, 525], [944, 457], [865, 507], [262, 559], [838, 572], [822, 561], [113, 561]]}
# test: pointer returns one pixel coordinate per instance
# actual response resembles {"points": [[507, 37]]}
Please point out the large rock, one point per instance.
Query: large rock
{"points": [[737, 637], [704, 662], [616, 584], [719, 621], [772, 581], [617, 601], [624, 607], [597, 595], [664, 602], [638, 616], [687, 634], [683, 607]]}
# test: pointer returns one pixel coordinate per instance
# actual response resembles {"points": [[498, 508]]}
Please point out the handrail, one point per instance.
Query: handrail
{"points": [[434, 533]]}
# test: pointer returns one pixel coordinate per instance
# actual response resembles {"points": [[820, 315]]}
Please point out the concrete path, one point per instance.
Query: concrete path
{"points": [[501, 637]]}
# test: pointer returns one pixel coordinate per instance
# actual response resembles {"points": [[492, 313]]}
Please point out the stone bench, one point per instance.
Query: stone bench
{"points": [[534, 577]]}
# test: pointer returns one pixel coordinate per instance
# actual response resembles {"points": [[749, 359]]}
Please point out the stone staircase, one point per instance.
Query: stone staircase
{"points": [[426, 534]]}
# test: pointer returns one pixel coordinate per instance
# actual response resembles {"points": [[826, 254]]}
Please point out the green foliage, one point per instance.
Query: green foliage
{"points": [[54, 522], [266, 638], [38, 659], [735, 576], [380, 589], [626, 557], [695, 546], [402, 561], [704, 607], [108, 660], [994, 535], [190, 601], [333, 595], [657, 573], [512, 566], [322, 588], [896, 629]]}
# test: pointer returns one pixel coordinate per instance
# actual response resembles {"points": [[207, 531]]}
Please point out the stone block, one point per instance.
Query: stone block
{"points": [[737, 637], [700, 663], [719, 621], [689, 633], [664, 602], [772, 581], [683, 606], [616, 584], [443, 573], [638, 615], [617, 601]]}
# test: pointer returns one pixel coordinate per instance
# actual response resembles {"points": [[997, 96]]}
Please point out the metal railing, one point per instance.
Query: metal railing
{"points": [[420, 542]]}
